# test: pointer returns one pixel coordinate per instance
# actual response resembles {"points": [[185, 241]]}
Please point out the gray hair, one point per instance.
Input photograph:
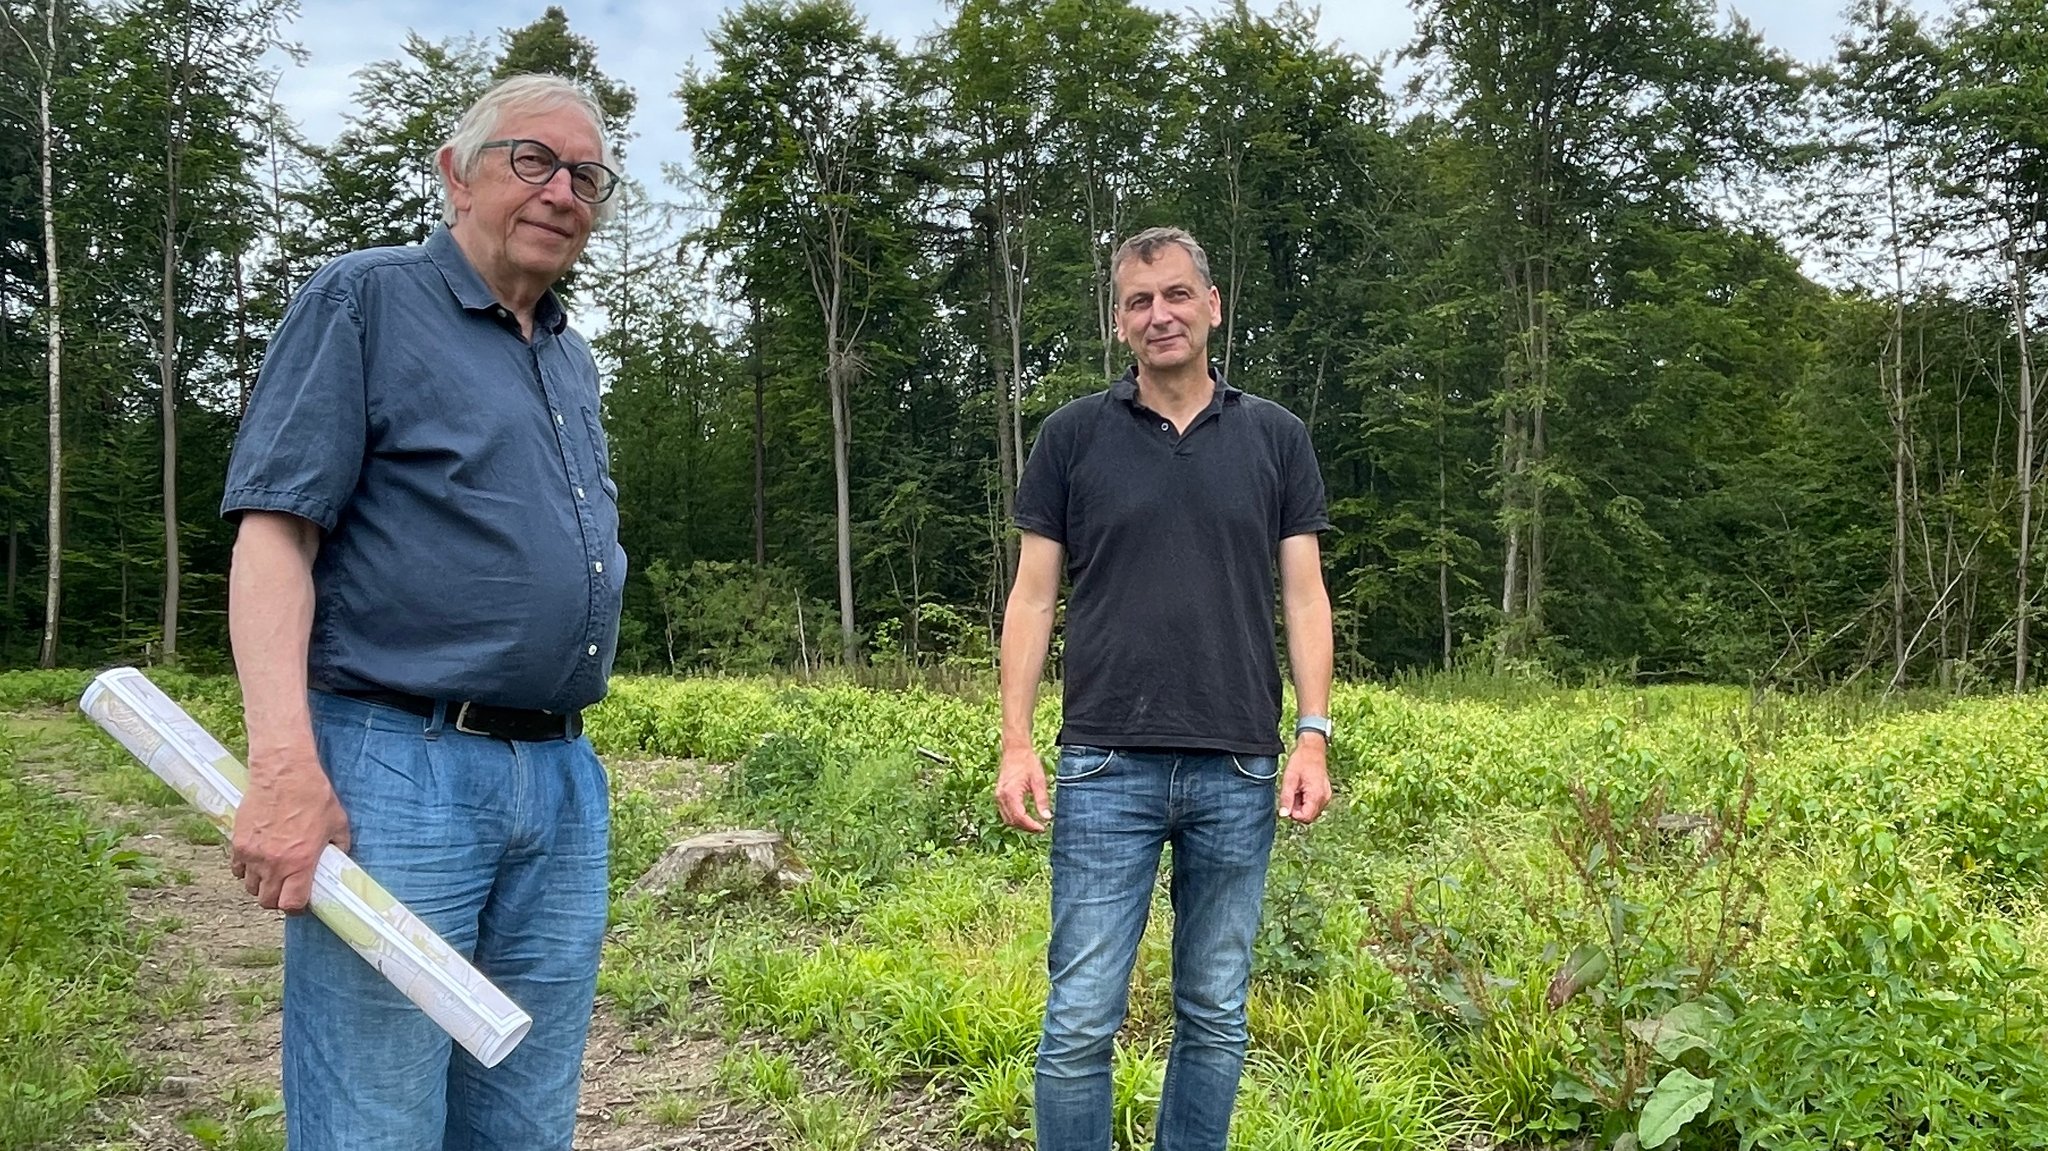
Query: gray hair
{"points": [[531, 92], [1146, 246]]}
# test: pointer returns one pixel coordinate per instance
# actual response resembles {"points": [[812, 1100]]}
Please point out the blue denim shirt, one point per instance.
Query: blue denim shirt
{"points": [[460, 475]]}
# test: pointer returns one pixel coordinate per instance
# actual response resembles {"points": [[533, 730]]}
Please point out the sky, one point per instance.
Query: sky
{"points": [[648, 43]]}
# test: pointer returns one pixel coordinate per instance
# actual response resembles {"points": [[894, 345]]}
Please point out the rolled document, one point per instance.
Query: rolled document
{"points": [[368, 918]]}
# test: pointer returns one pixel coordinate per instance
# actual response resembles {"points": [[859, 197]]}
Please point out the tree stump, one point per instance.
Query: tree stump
{"points": [[724, 861]]}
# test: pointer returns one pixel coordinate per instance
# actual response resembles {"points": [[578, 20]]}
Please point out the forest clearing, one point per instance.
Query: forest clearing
{"points": [[1693, 917]]}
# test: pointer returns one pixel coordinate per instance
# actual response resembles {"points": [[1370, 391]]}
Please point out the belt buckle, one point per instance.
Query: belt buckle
{"points": [[461, 720]]}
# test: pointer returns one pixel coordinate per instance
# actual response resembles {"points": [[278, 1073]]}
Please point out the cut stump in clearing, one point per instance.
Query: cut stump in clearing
{"points": [[724, 860]]}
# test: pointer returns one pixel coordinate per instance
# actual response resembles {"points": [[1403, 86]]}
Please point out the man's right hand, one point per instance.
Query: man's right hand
{"points": [[1022, 774], [288, 816]]}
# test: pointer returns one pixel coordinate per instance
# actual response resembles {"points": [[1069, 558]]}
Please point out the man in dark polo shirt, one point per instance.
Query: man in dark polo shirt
{"points": [[425, 594], [1168, 501]]}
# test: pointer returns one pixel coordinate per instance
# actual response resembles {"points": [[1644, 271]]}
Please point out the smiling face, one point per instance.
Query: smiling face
{"points": [[1164, 311], [522, 237]]}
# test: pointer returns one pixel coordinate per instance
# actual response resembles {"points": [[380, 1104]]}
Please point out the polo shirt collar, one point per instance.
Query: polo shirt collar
{"points": [[1126, 389], [473, 294]]}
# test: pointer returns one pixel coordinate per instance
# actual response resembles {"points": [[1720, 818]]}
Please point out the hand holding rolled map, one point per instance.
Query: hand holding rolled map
{"points": [[393, 940]]}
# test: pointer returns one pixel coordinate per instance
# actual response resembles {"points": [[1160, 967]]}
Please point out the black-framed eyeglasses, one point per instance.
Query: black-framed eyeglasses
{"points": [[536, 163]]}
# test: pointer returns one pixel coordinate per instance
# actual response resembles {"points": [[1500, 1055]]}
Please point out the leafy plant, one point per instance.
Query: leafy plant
{"points": [[1902, 1022]]}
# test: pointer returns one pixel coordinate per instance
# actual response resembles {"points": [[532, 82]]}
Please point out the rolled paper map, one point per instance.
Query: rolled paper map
{"points": [[368, 918]]}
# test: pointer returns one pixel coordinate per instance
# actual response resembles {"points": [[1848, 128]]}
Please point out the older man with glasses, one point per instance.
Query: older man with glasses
{"points": [[424, 597]]}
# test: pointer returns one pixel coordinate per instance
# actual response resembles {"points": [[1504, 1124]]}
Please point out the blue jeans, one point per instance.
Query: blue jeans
{"points": [[1112, 812], [502, 849]]}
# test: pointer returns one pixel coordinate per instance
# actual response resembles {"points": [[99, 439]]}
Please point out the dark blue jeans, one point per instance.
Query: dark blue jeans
{"points": [[502, 849], [1113, 810]]}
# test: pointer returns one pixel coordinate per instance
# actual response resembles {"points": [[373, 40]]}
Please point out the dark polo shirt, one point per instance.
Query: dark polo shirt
{"points": [[1172, 542], [459, 473]]}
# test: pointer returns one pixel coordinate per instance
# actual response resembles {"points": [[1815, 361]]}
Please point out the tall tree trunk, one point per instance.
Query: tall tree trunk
{"points": [[54, 326], [1443, 543], [1896, 400], [760, 373], [13, 566], [837, 372], [2025, 471], [167, 368], [1105, 217], [1234, 178], [1533, 468], [1016, 269], [245, 383], [1008, 460], [1511, 522], [178, 72]]}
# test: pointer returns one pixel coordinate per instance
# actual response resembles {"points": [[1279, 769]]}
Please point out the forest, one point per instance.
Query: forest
{"points": [[1632, 348]]}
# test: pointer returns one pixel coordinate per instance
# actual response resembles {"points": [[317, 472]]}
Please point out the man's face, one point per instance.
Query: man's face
{"points": [[1164, 311], [529, 232]]}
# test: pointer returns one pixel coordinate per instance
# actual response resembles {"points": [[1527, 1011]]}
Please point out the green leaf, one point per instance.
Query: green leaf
{"points": [[1679, 1096], [1691, 1026], [1585, 966], [1568, 1088]]}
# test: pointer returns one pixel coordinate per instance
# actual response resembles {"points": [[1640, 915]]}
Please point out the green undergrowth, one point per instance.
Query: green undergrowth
{"points": [[1678, 917], [1682, 917], [67, 963]]}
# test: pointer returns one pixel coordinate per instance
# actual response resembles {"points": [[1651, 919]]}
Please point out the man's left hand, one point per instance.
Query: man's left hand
{"points": [[1305, 786]]}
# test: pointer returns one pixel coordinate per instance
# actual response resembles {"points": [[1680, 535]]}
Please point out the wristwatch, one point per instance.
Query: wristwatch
{"points": [[1320, 724]]}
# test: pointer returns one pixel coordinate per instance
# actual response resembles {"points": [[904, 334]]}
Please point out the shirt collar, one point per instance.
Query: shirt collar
{"points": [[474, 295], [1126, 389]]}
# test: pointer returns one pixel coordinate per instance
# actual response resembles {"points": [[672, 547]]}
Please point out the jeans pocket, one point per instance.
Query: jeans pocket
{"points": [[1078, 763], [1257, 768]]}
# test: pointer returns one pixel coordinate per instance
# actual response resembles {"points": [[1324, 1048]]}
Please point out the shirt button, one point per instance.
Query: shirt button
{"points": [[579, 493], [599, 567], [1165, 427], [558, 419], [592, 649]]}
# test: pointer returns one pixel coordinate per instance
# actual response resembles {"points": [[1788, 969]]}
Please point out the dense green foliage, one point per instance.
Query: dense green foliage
{"points": [[1700, 917], [1534, 915], [1628, 345], [67, 962]]}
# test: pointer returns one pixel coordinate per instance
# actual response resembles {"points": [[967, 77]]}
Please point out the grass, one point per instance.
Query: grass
{"points": [[674, 1109], [248, 1119], [195, 828], [760, 1077], [265, 955], [255, 1000], [67, 963], [184, 996], [1483, 834], [1849, 914]]}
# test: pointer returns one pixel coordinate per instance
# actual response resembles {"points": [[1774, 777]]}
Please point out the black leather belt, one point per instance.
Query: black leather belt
{"points": [[472, 718]]}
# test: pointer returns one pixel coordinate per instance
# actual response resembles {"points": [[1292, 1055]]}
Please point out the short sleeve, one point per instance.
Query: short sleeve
{"points": [[1042, 492], [1303, 506], [300, 447]]}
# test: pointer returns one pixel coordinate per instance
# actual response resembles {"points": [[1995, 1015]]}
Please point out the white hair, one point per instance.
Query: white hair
{"points": [[527, 93]]}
